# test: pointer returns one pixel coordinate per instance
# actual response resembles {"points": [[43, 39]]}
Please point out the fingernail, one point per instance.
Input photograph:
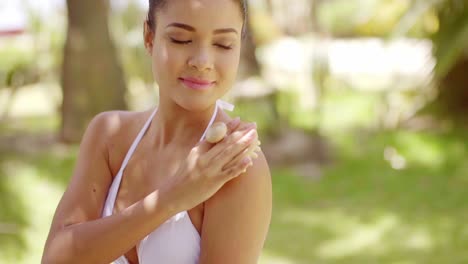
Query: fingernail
{"points": [[251, 134], [257, 149], [253, 155], [251, 125], [246, 160], [259, 142]]}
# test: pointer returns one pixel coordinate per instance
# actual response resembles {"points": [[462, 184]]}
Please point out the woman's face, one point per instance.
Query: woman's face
{"points": [[195, 50]]}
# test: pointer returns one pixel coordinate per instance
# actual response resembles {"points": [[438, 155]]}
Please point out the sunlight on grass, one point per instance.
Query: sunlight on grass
{"points": [[421, 149], [30, 124], [362, 210], [40, 198], [345, 110], [268, 258], [367, 239]]}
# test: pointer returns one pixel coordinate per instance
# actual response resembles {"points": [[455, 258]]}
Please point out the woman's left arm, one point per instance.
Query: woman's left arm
{"points": [[237, 218]]}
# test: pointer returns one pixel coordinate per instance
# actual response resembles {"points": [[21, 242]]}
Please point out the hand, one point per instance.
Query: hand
{"points": [[209, 166]]}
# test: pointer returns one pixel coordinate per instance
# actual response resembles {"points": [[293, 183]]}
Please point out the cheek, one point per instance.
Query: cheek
{"points": [[164, 56], [166, 61], [159, 57], [228, 66]]}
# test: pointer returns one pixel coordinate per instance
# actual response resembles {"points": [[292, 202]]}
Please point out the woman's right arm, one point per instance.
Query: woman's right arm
{"points": [[78, 234]]}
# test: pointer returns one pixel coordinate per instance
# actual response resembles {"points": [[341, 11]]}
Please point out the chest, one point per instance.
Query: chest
{"points": [[145, 172]]}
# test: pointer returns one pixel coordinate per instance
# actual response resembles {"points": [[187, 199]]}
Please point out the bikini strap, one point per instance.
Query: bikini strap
{"points": [[113, 190]]}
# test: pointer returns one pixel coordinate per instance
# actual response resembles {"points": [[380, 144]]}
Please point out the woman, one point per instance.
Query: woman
{"points": [[147, 187]]}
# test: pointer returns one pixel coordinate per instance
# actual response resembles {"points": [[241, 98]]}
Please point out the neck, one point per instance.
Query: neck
{"points": [[178, 126]]}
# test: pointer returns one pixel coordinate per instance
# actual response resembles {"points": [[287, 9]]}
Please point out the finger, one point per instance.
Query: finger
{"points": [[234, 135], [229, 139], [228, 153], [237, 169], [251, 151], [203, 146], [241, 126]]}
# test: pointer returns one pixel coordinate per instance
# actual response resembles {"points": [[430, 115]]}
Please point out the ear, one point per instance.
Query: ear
{"points": [[148, 37]]}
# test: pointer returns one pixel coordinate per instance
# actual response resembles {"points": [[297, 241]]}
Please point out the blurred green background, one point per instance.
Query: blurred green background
{"points": [[361, 106]]}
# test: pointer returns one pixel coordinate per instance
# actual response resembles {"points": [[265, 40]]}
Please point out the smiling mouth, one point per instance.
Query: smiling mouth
{"points": [[196, 84]]}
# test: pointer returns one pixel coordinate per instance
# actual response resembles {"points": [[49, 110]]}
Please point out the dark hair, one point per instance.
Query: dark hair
{"points": [[156, 5]]}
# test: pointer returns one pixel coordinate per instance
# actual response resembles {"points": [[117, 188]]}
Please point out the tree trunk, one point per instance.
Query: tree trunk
{"points": [[451, 49], [92, 77], [453, 93]]}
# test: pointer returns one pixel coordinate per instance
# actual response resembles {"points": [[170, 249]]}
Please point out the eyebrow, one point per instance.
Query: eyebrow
{"points": [[192, 29]]}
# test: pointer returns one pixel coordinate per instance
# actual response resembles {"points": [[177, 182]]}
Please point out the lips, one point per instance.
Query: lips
{"points": [[196, 83]]}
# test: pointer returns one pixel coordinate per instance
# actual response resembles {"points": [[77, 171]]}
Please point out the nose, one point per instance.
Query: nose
{"points": [[201, 60]]}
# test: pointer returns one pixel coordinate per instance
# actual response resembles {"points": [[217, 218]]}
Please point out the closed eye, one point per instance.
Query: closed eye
{"points": [[184, 42], [223, 46]]}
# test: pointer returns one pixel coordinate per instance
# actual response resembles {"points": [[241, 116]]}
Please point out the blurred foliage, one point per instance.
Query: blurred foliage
{"points": [[263, 26], [395, 196], [451, 41], [14, 60], [33, 57], [13, 56], [364, 211], [451, 53], [332, 14], [375, 18], [127, 29], [361, 209]]}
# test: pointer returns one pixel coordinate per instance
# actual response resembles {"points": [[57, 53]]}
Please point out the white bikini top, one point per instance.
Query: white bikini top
{"points": [[176, 241]]}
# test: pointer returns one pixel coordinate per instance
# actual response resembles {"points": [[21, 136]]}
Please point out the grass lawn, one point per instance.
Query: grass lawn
{"points": [[364, 211], [388, 197]]}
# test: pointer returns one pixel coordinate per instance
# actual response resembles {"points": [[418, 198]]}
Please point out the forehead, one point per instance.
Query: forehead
{"points": [[202, 13]]}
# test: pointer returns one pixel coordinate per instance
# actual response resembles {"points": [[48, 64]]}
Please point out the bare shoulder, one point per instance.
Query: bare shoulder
{"points": [[241, 211], [109, 124], [114, 132], [92, 175], [257, 179]]}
